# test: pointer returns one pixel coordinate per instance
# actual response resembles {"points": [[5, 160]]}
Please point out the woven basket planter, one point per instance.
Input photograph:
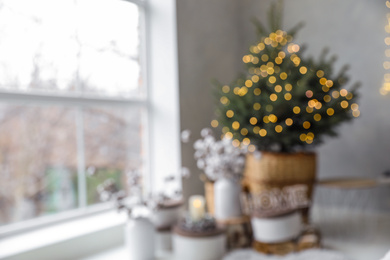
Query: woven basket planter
{"points": [[278, 170]]}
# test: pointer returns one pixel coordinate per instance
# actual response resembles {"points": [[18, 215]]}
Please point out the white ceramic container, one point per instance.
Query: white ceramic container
{"points": [[140, 239], [163, 241], [277, 229], [167, 215], [227, 199], [211, 247]]}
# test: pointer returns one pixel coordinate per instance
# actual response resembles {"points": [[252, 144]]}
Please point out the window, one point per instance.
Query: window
{"points": [[79, 94]]}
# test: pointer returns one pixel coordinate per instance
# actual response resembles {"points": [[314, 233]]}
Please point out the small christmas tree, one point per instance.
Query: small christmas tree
{"points": [[284, 101]]}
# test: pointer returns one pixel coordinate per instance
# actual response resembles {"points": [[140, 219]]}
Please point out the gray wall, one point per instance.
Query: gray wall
{"points": [[213, 35]]}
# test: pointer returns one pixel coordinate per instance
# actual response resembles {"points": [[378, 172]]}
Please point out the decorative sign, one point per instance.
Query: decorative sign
{"points": [[276, 200]]}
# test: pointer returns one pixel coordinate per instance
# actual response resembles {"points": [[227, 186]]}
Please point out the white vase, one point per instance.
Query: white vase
{"points": [[227, 199], [140, 239]]}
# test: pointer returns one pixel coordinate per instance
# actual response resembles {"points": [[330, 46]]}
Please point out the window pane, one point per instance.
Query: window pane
{"points": [[38, 161], [113, 139], [81, 46]]}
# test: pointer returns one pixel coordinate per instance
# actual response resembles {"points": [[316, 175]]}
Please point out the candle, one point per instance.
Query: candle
{"points": [[197, 207]]}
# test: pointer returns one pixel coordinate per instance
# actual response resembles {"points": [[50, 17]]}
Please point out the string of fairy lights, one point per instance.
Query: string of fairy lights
{"points": [[386, 64], [270, 69]]}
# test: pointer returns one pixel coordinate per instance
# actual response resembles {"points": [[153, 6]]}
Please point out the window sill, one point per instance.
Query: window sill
{"points": [[52, 241]]}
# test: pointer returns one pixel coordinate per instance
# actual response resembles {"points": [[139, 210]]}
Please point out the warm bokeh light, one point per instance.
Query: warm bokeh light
{"points": [[253, 120], [230, 113], [214, 123]]}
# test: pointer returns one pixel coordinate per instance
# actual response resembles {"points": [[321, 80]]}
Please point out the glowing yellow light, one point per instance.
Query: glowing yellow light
{"points": [[309, 93], [236, 143], [309, 141], [256, 106], [388, 4], [317, 117], [287, 96], [251, 148], [278, 60], [329, 83], [257, 91], [270, 71], [283, 75], [310, 135], [236, 90], [354, 107], [312, 103], [282, 54], [322, 81], [263, 132], [303, 70], [225, 129], [214, 123], [356, 113], [318, 105], [269, 108], [327, 98], [235, 125], [261, 46], [243, 91], [325, 88], [343, 92], [297, 61], [248, 83], [253, 120], [289, 121], [256, 129], [278, 128], [244, 131], [349, 96], [246, 141], [229, 135], [296, 110], [254, 49], [224, 100], [273, 97], [266, 119], [387, 52], [386, 65], [255, 60], [264, 57], [335, 94], [270, 64], [225, 89], [255, 78], [387, 40], [309, 110], [267, 41], [302, 137], [320, 73], [272, 118], [246, 59], [288, 87], [230, 113], [330, 111], [344, 104], [295, 48], [278, 88], [272, 79]]}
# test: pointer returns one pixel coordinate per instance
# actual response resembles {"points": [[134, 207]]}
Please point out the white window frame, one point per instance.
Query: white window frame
{"points": [[160, 68]]}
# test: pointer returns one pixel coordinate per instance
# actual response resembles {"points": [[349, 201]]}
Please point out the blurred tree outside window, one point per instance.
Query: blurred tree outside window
{"points": [[76, 57]]}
